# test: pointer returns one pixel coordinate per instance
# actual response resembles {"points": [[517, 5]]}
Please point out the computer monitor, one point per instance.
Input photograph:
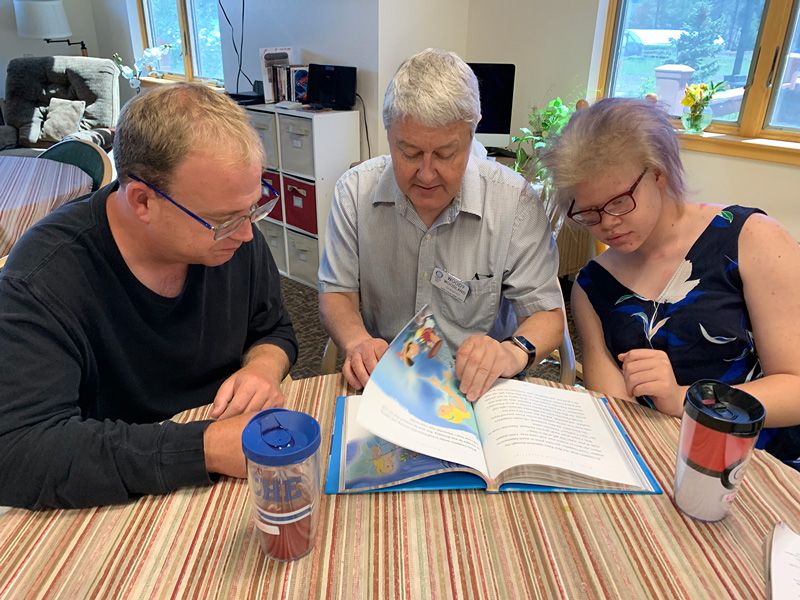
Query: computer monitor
{"points": [[496, 85]]}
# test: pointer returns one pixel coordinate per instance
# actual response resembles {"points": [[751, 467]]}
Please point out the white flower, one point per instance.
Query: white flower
{"points": [[680, 285]]}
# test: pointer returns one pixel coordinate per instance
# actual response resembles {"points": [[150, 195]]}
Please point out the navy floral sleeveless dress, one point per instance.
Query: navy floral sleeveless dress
{"points": [[700, 320]]}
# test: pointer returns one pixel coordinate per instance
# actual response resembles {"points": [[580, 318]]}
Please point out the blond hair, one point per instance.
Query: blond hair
{"points": [[156, 130], [611, 133]]}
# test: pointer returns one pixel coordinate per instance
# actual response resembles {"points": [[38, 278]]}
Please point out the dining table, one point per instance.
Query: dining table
{"points": [[32, 187], [201, 542]]}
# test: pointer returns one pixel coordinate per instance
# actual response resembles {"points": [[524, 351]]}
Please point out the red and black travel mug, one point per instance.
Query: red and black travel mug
{"points": [[719, 428]]}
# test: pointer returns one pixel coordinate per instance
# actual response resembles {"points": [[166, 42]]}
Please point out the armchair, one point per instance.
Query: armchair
{"points": [[91, 85]]}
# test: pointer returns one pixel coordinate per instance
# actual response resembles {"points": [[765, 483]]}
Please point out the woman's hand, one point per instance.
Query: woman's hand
{"points": [[649, 373]]}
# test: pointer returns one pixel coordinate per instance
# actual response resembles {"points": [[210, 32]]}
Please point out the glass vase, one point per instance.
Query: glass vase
{"points": [[695, 121]]}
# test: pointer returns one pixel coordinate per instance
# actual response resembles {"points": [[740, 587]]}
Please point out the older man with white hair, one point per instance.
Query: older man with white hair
{"points": [[433, 224]]}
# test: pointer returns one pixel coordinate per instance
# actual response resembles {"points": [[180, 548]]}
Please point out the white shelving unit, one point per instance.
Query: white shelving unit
{"points": [[307, 152]]}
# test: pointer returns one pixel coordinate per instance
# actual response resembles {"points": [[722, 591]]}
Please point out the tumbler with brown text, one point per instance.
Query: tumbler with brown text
{"points": [[283, 472], [719, 427]]}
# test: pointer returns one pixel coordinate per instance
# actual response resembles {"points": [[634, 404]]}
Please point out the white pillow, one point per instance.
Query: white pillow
{"points": [[63, 117]]}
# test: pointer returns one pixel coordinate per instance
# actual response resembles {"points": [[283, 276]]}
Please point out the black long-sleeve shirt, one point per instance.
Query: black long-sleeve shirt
{"points": [[91, 360]]}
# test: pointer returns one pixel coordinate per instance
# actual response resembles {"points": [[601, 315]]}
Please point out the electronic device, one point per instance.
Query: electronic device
{"points": [[249, 98], [526, 345], [246, 98], [496, 85], [331, 86]]}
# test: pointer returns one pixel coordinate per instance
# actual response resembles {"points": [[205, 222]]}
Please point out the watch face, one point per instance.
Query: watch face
{"points": [[525, 344]]}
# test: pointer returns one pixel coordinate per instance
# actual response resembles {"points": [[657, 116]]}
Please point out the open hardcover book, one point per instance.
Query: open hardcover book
{"points": [[412, 429]]}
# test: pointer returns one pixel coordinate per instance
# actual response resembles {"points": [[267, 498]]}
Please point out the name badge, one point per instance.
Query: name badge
{"points": [[449, 284]]}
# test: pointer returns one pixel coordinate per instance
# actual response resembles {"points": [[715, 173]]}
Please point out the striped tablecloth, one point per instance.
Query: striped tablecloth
{"points": [[32, 187], [199, 543]]}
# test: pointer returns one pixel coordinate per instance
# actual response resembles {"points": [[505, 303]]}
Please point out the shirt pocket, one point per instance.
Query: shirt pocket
{"points": [[477, 313]]}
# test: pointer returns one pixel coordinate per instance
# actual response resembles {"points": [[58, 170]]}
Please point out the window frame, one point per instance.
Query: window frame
{"points": [[188, 58], [749, 138]]}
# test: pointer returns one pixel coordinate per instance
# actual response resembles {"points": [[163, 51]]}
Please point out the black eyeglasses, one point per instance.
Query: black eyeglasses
{"points": [[616, 207], [259, 210]]}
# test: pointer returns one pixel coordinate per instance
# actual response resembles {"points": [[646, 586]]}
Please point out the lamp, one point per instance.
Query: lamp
{"points": [[44, 20]]}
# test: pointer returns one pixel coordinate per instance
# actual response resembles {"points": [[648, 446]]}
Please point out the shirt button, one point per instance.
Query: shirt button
{"points": [[424, 275], [428, 236]]}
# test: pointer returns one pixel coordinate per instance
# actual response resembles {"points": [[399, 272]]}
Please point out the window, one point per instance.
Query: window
{"points": [[658, 46], [191, 27]]}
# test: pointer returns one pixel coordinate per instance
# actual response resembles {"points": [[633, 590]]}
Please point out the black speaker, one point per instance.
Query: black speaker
{"points": [[332, 86]]}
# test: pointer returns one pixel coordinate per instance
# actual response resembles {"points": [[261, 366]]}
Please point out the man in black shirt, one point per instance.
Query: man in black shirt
{"points": [[149, 297]]}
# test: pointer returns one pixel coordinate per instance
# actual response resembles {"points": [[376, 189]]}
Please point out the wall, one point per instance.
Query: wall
{"points": [[117, 24], [407, 27], [550, 43], [343, 32], [725, 180], [81, 21]]}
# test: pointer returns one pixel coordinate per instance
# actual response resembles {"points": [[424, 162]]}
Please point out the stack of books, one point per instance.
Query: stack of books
{"points": [[283, 79]]}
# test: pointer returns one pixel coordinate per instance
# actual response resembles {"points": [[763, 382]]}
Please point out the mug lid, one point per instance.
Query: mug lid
{"points": [[276, 437], [724, 408]]}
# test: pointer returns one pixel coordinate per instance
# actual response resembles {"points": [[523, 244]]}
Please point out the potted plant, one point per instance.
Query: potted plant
{"points": [[543, 123], [697, 114]]}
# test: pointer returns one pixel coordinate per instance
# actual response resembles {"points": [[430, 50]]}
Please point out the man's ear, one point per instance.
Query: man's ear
{"points": [[138, 197]]}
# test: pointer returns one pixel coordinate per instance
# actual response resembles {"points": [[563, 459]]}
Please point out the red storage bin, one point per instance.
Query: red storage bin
{"points": [[300, 203], [275, 181]]}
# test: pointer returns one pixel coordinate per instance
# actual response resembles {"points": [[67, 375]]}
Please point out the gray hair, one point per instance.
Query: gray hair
{"points": [[435, 88], [610, 133], [156, 130]]}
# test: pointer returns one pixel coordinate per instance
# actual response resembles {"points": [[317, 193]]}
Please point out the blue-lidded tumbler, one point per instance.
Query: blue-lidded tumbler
{"points": [[283, 472]]}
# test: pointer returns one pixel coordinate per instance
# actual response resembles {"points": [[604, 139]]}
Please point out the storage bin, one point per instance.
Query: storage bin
{"points": [[303, 257], [273, 233], [300, 204], [297, 146], [264, 124], [274, 179]]}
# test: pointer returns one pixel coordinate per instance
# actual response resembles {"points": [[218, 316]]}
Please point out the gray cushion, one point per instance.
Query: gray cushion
{"points": [[8, 137], [63, 117]]}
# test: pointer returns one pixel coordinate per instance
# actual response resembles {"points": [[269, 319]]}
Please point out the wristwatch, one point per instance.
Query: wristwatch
{"points": [[526, 345]]}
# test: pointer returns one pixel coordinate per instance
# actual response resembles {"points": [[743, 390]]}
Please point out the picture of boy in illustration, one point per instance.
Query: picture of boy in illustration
{"points": [[423, 338]]}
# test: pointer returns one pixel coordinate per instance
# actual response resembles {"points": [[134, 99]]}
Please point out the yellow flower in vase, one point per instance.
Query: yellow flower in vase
{"points": [[696, 99]]}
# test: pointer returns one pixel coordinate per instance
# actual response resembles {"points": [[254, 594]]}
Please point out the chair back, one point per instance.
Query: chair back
{"points": [[89, 157]]}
